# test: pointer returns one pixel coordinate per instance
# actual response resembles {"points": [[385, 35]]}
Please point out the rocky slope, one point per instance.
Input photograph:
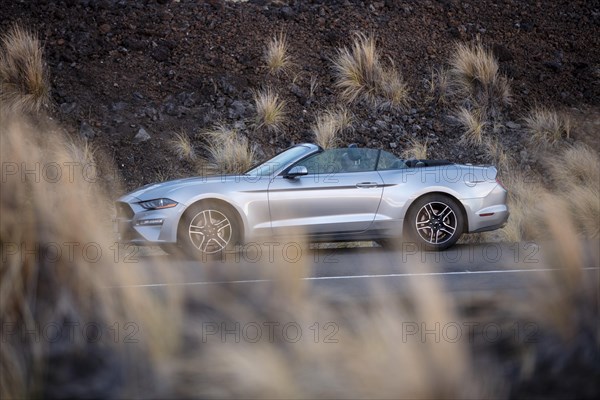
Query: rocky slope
{"points": [[121, 68]]}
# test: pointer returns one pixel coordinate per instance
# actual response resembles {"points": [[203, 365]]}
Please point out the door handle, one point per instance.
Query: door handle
{"points": [[367, 185]]}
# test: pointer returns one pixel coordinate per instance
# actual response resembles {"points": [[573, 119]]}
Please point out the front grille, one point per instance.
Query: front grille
{"points": [[124, 210]]}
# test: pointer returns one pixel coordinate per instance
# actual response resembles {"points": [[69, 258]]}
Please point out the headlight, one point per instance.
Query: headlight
{"points": [[158, 204]]}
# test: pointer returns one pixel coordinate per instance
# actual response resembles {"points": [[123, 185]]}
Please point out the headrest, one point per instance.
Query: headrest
{"points": [[353, 152]]}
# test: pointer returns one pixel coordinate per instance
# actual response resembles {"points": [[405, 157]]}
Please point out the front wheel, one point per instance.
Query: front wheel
{"points": [[435, 222], [208, 229]]}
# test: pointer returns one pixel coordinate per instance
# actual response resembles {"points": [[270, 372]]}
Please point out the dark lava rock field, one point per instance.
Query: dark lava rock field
{"points": [[128, 75]]}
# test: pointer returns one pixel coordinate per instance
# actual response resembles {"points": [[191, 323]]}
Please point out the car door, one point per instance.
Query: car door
{"points": [[339, 194]]}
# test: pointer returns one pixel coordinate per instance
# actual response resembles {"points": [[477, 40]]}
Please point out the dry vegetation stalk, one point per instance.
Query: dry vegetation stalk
{"points": [[546, 126], [270, 110], [361, 75], [473, 123], [58, 266], [228, 152], [182, 147], [330, 125], [276, 54], [416, 150], [24, 86], [475, 77]]}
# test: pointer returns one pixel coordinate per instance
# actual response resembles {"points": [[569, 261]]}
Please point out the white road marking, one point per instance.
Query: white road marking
{"points": [[325, 278]]}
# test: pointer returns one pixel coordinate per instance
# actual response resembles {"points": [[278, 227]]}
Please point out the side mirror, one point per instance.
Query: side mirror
{"points": [[298, 170]]}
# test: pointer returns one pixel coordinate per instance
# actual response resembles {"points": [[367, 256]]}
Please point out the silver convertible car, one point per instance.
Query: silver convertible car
{"points": [[341, 194]]}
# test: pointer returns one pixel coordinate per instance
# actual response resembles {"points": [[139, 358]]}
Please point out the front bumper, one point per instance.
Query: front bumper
{"points": [[130, 228]]}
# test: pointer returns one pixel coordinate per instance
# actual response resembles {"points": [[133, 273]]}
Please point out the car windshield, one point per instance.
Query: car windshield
{"points": [[280, 160]]}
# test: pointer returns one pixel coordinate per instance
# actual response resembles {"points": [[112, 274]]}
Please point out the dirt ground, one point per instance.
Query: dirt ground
{"points": [[182, 66]]}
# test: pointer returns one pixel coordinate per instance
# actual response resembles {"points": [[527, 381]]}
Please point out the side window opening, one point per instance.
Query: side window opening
{"points": [[341, 160], [388, 161]]}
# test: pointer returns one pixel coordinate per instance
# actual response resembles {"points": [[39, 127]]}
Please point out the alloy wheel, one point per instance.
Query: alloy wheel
{"points": [[210, 231], [436, 222]]}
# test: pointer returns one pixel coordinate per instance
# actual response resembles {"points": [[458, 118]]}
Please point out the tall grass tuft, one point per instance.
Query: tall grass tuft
{"points": [[473, 123], [574, 186], [361, 75], [475, 76], [182, 147], [546, 126], [556, 353], [346, 350], [270, 110], [416, 150], [228, 151], [575, 173], [276, 54], [438, 85], [503, 161], [24, 84], [329, 126], [525, 192], [61, 271]]}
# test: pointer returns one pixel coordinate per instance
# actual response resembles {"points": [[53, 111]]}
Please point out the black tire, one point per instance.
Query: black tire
{"points": [[208, 230], [434, 222]]}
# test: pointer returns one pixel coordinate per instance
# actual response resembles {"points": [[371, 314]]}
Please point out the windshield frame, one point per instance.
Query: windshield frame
{"points": [[306, 149]]}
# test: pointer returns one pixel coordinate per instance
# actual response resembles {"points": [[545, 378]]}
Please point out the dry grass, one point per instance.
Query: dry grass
{"points": [[475, 77], [314, 84], [474, 125], [173, 359], [360, 360], [49, 280], [416, 150], [503, 162], [182, 147], [162, 176], [575, 173], [270, 110], [524, 196], [567, 303], [583, 202], [24, 84], [576, 165], [370, 344], [361, 75], [438, 85], [546, 126], [394, 89], [229, 152], [575, 176], [330, 125], [556, 354], [276, 54], [83, 152]]}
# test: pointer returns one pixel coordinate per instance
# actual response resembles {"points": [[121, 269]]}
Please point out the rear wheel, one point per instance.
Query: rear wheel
{"points": [[435, 222], [208, 229]]}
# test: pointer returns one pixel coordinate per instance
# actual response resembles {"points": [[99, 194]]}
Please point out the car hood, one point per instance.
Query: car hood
{"points": [[168, 188]]}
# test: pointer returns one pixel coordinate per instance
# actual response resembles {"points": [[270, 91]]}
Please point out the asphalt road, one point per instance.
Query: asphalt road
{"points": [[353, 272]]}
